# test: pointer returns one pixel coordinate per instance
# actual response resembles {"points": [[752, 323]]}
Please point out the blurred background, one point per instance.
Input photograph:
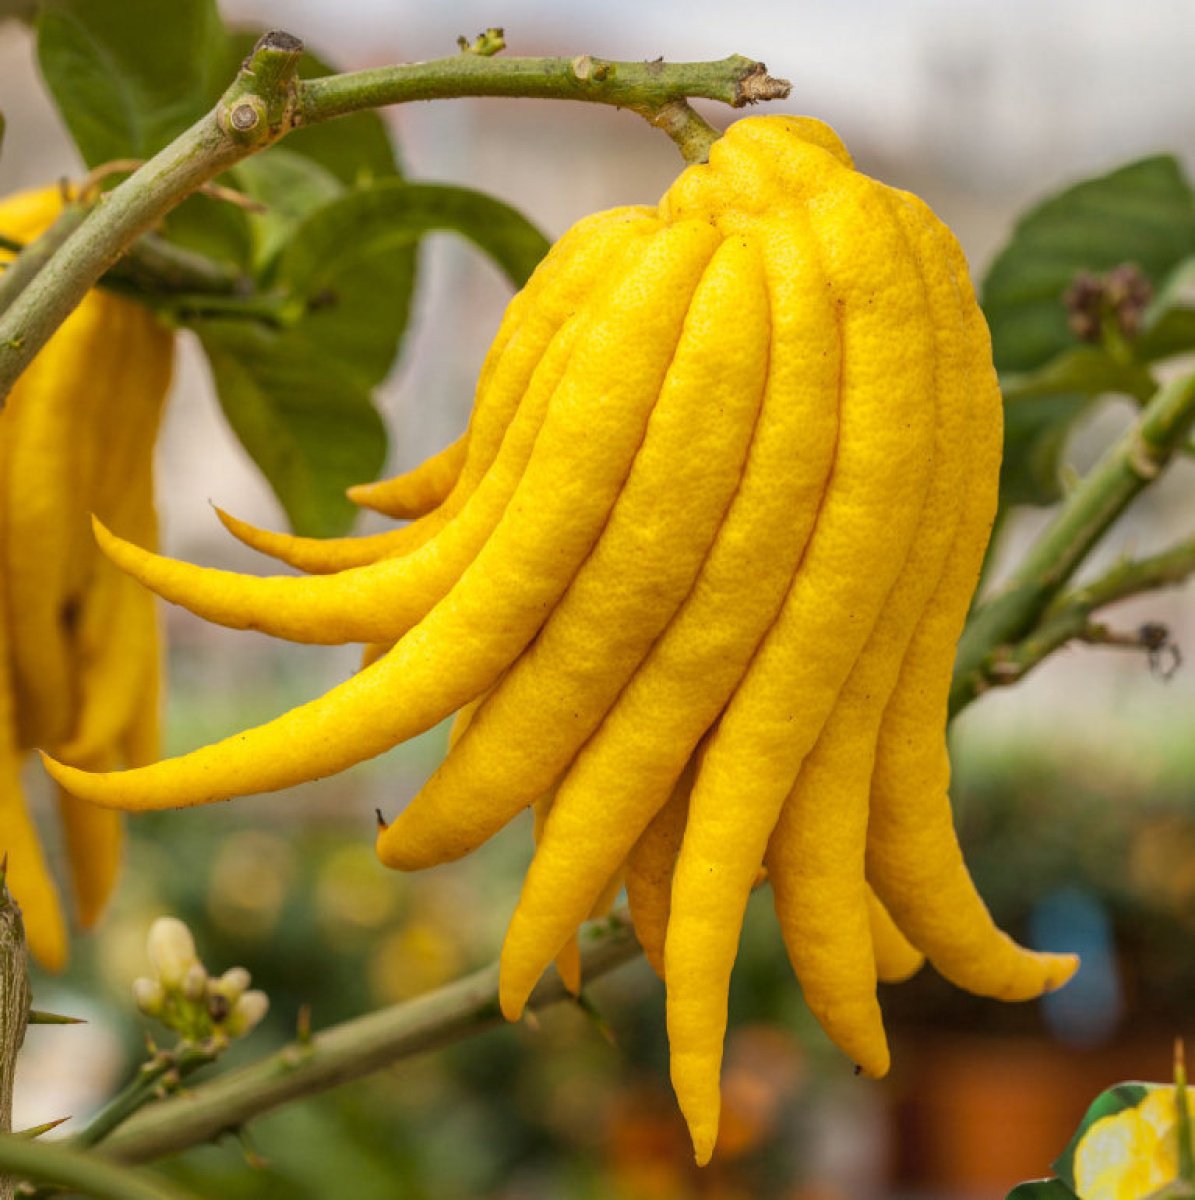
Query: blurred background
{"points": [[1074, 793]]}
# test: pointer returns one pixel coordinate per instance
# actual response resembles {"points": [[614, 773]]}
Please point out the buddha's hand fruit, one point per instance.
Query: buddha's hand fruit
{"points": [[78, 639], [699, 569]]}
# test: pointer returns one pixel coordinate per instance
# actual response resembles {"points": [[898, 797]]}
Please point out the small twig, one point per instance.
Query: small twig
{"points": [[1016, 609], [1068, 619], [87, 1174], [166, 1068], [350, 1051]]}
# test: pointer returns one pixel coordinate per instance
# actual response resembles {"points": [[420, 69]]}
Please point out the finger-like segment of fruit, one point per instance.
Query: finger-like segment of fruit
{"points": [[486, 621], [70, 448], [644, 564], [913, 857], [649, 873], [560, 285], [816, 854], [116, 645], [416, 492], [897, 959], [94, 841], [568, 960], [326, 556], [864, 530], [41, 509], [28, 876], [374, 603], [634, 759]]}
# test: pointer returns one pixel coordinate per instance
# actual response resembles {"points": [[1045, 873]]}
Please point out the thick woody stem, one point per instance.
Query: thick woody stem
{"points": [[14, 1011]]}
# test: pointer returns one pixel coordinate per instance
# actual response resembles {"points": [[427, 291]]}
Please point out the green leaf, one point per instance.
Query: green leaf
{"points": [[211, 227], [1041, 1189], [1142, 213], [129, 76], [1084, 371], [1035, 434], [308, 423], [393, 213], [1041, 407], [1169, 325], [356, 148], [290, 186], [1106, 1104]]}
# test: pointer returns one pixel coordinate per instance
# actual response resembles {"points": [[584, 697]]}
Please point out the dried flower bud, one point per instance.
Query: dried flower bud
{"points": [[247, 1012], [149, 996], [171, 950]]}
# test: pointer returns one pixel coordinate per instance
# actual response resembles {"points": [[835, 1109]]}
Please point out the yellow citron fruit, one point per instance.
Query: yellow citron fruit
{"points": [[697, 572], [79, 653], [1131, 1154]]}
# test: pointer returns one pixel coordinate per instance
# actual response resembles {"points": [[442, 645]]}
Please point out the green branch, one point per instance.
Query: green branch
{"points": [[267, 100], [242, 122], [351, 1050], [1120, 476], [1068, 619], [87, 1174]]}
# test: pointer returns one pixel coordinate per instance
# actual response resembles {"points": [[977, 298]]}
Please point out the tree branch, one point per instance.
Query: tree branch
{"points": [[267, 100], [1118, 478], [242, 122], [350, 1051], [87, 1174], [1069, 617]]}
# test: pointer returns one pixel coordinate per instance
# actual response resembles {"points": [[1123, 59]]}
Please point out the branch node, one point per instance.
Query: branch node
{"points": [[1144, 461], [757, 85]]}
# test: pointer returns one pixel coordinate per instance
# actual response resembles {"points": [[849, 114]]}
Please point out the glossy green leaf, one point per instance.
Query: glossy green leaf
{"points": [[356, 148], [1107, 1104], [1143, 213], [1041, 1189], [307, 422], [129, 76]]}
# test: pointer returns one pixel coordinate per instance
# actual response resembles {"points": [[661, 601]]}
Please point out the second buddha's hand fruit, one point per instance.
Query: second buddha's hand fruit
{"points": [[700, 564]]}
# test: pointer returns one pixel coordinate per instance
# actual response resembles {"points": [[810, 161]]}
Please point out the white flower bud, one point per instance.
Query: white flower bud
{"points": [[194, 986], [149, 996], [247, 1012], [232, 984], [171, 950]]}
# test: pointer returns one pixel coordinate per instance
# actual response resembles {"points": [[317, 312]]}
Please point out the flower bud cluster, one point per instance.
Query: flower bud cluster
{"points": [[186, 998]]}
